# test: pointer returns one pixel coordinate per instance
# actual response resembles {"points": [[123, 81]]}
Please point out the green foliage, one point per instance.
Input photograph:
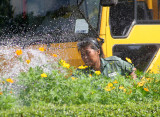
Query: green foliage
{"points": [[57, 93], [57, 89], [92, 109], [7, 101], [7, 98]]}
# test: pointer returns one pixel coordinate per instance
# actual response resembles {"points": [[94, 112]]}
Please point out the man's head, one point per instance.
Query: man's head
{"points": [[90, 51]]}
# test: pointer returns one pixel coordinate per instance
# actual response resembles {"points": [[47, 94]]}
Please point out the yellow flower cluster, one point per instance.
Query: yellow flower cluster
{"points": [[143, 82], [19, 52], [109, 87], [54, 55], [10, 80], [115, 82], [42, 49], [82, 67], [146, 89], [28, 61], [43, 75], [64, 64], [122, 88], [73, 78], [97, 72]]}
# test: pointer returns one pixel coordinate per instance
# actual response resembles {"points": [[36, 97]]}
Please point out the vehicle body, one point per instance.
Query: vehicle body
{"points": [[130, 28]]}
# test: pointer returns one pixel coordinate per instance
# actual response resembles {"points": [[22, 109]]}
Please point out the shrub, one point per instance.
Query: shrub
{"points": [[56, 88], [7, 98], [91, 109]]}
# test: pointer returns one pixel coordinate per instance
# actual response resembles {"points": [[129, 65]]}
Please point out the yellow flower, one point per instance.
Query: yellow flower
{"points": [[128, 59], [66, 65], [10, 91], [9, 80], [19, 52], [82, 67], [110, 85], [62, 61], [73, 78], [143, 78], [3, 82], [146, 89], [121, 87], [97, 72], [54, 55], [113, 87], [41, 49], [107, 88], [124, 89], [28, 61], [90, 75], [141, 83], [115, 82], [1, 93], [43, 75], [148, 79]]}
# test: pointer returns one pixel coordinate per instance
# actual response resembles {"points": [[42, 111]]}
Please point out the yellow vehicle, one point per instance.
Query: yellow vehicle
{"points": [[129, 28]]}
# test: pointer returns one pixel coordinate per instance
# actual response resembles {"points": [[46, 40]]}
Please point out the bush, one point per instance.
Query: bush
{"points": [[56, 92], [7, 98], [92, 109], [55, 88]]}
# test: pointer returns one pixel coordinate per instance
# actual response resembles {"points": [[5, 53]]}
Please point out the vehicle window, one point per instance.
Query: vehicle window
{"points": [[121, 17], [141, 55], [128, 12], [90, 8], [143, 11], [40, 21], [148, 11]]}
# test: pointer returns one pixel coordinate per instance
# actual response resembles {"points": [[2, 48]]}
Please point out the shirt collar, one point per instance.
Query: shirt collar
{"points": [[102, 63]]}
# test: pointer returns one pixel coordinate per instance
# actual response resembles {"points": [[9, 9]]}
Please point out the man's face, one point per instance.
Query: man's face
{"points": [[90, 56]]}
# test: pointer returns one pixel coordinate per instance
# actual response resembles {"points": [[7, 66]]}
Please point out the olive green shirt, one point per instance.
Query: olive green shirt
{"points": [[110, 67], [113, 66]]}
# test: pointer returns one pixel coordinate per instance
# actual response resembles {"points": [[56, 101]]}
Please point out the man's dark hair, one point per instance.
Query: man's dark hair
{"points": [[92, 42]]}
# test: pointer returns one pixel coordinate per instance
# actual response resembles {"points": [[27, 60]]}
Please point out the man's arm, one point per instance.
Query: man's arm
{"points": [[133, 74]]}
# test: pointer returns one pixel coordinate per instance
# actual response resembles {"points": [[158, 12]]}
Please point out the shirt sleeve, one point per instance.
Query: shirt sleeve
{"points": [[127, 67]]}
